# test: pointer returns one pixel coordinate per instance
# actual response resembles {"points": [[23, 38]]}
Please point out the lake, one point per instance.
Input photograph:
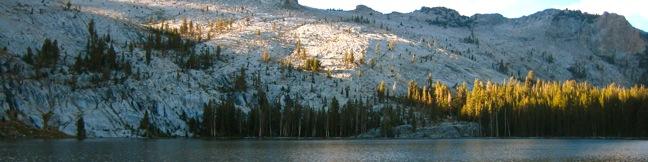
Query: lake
{"points": [[324, 150]]}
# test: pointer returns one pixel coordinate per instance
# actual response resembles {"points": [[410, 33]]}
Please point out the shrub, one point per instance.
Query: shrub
{"points": [[265, 56], [312, 64]]}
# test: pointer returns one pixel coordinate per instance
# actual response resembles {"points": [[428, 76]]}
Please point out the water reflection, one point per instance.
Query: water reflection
{"points": [[324, 150]]}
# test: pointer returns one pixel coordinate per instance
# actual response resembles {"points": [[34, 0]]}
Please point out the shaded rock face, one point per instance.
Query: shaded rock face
{"points": [[488, 19], [292, 4], [616, 34], [440, 11], [362, 9], [643, 62], [570, 25], [605, 34], [445, 17]]}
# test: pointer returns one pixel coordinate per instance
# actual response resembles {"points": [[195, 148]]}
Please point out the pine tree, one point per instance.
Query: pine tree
{"points": [[530, 78], [333, 119], [218, 51], [265, 56], [391, 45], [381, 90], [240, 84], [146, 125], [81, 132], [12, 110], [461, 92], [92, 31], [312, 64], [29, 57], [349, 58], [68, 5], [147, 55], [100, 56], [299, 51], [192, 62], [412, 90], [48, 55], [388, 122], [263, 113], [412, 119], [209, 120]]}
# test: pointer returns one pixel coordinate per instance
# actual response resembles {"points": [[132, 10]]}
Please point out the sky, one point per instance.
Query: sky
{"points": [[636, 11]]}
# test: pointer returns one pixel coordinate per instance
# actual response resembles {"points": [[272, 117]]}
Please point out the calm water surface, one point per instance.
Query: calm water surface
{"points": [[325, 150]]}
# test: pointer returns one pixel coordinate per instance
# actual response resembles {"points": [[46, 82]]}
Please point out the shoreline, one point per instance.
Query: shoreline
{"points": [[12, 130], [322, 138]]}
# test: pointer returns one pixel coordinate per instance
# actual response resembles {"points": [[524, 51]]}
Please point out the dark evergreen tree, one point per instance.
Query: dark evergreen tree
{"points": [[100, 57], [149, 129], [144, 123], [148, 55], [263, 114], [81, 132], [240, 83], [46, 57], [209, 119], [333, 119], [29, 57]]}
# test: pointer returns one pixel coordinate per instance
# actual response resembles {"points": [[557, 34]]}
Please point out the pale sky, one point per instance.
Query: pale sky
{"points": [[636, 11]]}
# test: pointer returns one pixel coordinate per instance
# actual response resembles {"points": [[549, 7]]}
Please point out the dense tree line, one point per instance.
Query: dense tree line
{"points": [[183, 41], [287, 117], [358, 19], [101, 57], [434, 99], [541, 108], [515, 108], [535, 108], [45, 57], [471, 39], [292, 119], [223, 120], [165, 38], [538, 108], [204, 60], [311, 64]]}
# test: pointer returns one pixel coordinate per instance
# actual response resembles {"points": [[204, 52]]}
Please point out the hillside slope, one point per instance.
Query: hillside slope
{"points": [[395, 48]]}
